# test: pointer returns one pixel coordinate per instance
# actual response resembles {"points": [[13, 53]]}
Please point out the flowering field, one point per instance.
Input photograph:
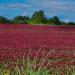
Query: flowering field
{"points": [[37, 50]]}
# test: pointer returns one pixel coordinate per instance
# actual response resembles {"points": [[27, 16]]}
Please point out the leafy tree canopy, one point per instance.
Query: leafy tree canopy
{"points": [[21, 19], [38, 17]]}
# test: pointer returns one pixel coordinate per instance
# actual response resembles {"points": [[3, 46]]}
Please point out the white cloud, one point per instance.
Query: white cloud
{"points": [[54, 4], [51, 7], [42, 4], [15, 6], [25, 13]]}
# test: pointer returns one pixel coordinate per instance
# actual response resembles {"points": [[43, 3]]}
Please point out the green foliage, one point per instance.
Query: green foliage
{"points": [[70, 23], [73, 73], [3, 20], [55, 20], [38, 17], [21, 19], [26, 69]]}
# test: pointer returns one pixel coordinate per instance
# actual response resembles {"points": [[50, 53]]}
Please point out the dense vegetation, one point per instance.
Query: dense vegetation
{"points": [[37, 50], [38, 17]]}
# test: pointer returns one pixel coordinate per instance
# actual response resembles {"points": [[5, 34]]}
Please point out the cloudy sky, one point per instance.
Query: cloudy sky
{"points": [[64, 9]]}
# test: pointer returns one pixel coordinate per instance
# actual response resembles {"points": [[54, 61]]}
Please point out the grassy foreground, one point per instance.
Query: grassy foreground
{"points": [[35, 66]]}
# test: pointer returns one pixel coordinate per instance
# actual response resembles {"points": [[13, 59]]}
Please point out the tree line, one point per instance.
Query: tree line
{"points": [[38, 17]]}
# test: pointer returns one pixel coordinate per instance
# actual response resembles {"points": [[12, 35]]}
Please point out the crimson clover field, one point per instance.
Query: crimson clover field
{"points": [[52, 47]]}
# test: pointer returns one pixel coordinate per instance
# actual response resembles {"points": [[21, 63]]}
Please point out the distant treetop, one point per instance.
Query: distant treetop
{"points": [[38, 17]]}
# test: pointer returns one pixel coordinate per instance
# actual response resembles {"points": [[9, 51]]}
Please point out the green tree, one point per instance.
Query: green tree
{"points": [[3, 20], [55, 20], [38, 17], [21, 19], [70, 23]]}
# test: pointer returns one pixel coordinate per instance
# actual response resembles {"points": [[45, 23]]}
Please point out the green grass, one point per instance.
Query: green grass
{"points": [[28, 66], [24, 67]]}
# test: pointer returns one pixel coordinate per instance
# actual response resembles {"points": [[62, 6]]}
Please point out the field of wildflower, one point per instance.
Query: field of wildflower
{"points": [[37, 50]]}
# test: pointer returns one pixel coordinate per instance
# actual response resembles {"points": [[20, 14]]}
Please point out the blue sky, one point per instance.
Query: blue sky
{"points": [[64, 9]]}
